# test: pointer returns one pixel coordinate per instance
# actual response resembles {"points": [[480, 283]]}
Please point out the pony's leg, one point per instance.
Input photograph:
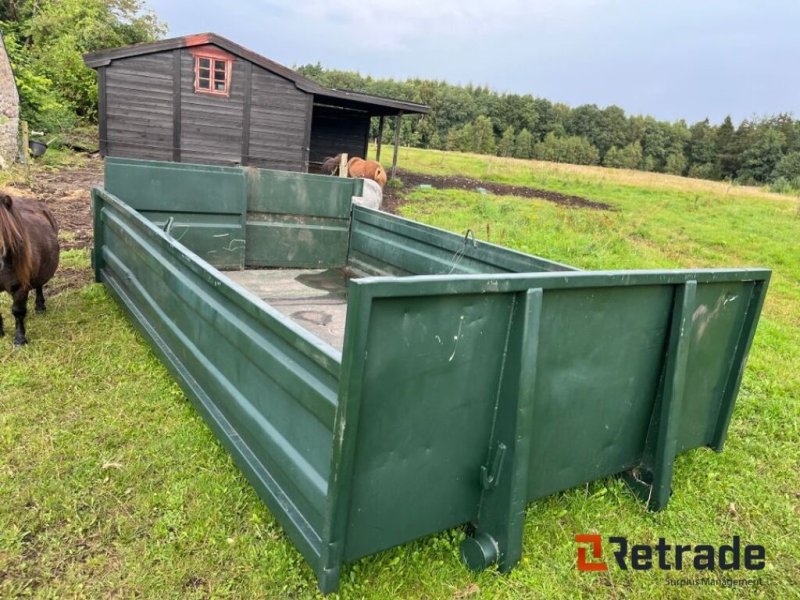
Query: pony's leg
{"points": [[40, 307], [2, 331], [19, 309]]}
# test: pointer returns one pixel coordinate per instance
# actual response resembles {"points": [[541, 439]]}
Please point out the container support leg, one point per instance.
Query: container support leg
{"points": [[504, 477], [99, 236], [652, 480]]}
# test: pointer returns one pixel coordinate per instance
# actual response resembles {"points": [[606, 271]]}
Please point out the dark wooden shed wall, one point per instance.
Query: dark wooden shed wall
{"points": [[211, 126], [142, 109], [335, 130], [278, 122], [138, 103]]}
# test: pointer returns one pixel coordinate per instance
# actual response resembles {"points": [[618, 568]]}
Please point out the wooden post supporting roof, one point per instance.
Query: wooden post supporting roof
{"points": [[396, 142], [380, 138]]}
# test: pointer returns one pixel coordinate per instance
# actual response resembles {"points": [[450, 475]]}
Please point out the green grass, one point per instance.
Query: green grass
{"points": [[111, 484]]}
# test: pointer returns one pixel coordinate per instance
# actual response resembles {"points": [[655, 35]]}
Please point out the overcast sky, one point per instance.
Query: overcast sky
{"points": [[673, 59]]}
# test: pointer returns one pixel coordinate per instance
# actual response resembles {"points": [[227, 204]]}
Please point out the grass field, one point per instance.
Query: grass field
{"points": [[111, 485]]}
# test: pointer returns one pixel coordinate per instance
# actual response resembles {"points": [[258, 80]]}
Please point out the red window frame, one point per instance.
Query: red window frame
{"points": [[216, 65]]}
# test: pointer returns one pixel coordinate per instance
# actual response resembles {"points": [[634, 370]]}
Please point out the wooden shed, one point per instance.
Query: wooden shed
{"points": [[205, 99]]}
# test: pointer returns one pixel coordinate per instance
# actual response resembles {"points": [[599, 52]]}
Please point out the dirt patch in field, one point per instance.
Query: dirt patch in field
{"points": [[393, 198], [66, 192], [68, 278]]}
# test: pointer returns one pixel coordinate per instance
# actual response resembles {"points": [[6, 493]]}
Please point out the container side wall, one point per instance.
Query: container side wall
{"points": [[384, 244], [298, 220], [436, 360], [717, 324], [600, 359], [433, 368], [206, 204], [266, 387]]}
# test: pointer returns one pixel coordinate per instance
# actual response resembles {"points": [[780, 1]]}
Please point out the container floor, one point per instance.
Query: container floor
{"points": [[315, 299]]}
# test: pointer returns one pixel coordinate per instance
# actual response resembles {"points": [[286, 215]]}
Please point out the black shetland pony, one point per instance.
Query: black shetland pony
{"points": [[28, 255], [330, 166]]}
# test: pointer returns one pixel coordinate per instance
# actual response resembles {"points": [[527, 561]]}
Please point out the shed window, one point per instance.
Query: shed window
{"points": [[212, 75]]}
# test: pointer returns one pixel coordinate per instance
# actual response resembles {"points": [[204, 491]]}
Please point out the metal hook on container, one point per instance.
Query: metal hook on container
{"points": [[470, 234]]}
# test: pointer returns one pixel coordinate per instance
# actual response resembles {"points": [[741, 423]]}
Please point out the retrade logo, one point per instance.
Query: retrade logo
{"points": [[597, 553], [666, 557]]}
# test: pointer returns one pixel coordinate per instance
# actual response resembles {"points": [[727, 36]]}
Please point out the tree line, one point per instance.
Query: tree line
{"points": [[476, 119], [46, 39]]}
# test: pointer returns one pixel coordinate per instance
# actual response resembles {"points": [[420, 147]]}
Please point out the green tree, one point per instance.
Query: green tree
{"points": [[452, 141], [585, 121], [676, 163], [703, 153], [613, 158], [435, 141], [725, 141], [655, 144], [547, 119], [628, 157], [425, 129], [745, 136], [571, 149], [454, 107], [517, 112], [679, 138], [41, 103], [787, 126], [523, 147], [614, 129], [507, 143], [48, 39], [761, 157], [484, 135], [788, 167], [466, 139]]}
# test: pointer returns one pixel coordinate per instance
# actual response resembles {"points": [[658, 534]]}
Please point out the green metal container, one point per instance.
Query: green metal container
{"points": [[473, 379]]}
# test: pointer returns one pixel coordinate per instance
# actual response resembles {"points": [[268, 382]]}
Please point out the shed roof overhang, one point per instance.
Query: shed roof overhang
{"points": [[373, 105]]}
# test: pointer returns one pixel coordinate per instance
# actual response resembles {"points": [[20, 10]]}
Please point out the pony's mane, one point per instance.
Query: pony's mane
{"points": [[13, 240]]}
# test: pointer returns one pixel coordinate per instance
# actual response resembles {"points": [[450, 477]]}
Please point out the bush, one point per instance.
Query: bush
{"points": [[788, 167], [523, 145], [572, 149], [395, 183], [628, 157], [705, 171], [507, 143], [782, 185], [676, 164]]}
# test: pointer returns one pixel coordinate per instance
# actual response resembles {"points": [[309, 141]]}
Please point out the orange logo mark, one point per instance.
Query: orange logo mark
{"points": [[597, 552]]}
